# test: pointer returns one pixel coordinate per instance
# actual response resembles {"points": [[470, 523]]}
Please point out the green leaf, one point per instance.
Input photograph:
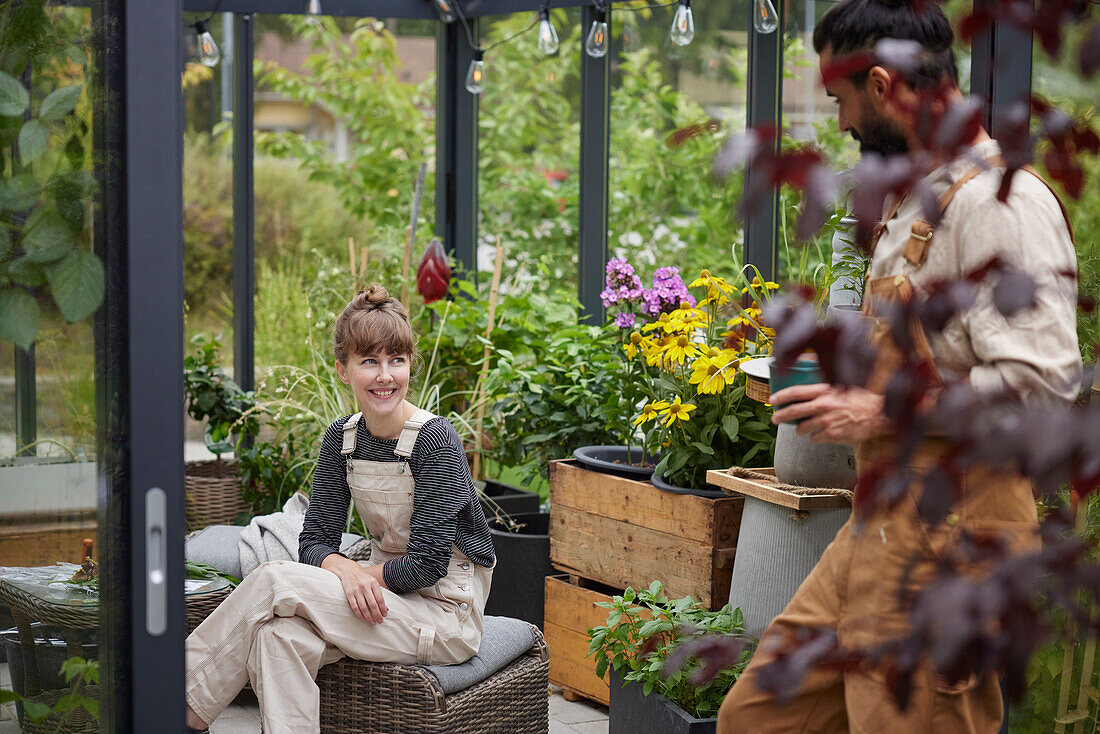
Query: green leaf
{"points": [[48, 238], [35, 711], [7, 696], [59, 102], [24, 272], [731, 426], [77, 284], [33, 137], [5, 242], [19, 193], [19, 314], [14, 99]]}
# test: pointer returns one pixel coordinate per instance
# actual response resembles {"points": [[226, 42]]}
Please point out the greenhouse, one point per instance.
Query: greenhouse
{"points": [[549, 365]]}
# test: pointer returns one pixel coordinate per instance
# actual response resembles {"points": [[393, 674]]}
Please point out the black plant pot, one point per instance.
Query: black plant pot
{"points": [[507, 500], [660, 483], [523, 563], [617, 460], [633, 712]]}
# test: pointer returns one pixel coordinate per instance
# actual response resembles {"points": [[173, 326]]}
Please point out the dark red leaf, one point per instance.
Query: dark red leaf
{"points": [[1014, 292]]}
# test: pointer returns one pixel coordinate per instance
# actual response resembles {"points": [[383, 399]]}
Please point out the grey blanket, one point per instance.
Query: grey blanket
{"points": [[273, 537]]}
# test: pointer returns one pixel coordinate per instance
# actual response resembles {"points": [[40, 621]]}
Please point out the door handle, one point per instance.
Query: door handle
{"points": [[156, 563]]}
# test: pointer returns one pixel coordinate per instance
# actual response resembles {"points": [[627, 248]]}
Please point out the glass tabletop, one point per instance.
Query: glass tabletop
{"points": [[48, 583]]}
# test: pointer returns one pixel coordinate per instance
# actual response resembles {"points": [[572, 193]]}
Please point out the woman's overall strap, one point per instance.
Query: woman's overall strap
{"points": [[407, 439], [351, 430]]}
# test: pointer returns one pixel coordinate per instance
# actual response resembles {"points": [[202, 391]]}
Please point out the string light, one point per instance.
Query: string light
{"points": [[475, 76], [596, 43], [764, 18], [445, 9], [683, 24], [208, 50], [548, 36]]}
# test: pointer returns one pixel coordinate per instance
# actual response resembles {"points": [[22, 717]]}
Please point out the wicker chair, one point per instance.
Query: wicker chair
{"points": [[359, 697]]}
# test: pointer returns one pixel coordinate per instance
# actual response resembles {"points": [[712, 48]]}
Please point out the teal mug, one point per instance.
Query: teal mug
{"points": [[802, 372]]}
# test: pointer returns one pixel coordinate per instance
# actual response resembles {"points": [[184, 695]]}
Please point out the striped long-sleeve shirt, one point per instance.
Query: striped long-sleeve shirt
{"points": [[445, 512]]}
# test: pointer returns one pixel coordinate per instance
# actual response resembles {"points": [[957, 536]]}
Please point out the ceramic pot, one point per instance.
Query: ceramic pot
{"points": [[800, 461], [523, 563]]}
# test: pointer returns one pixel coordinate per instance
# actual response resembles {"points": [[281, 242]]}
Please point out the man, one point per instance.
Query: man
{"points": [[854, 593]]}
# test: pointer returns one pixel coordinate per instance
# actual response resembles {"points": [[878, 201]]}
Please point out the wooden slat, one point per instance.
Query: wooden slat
{"points": [[570, 612], [713, 521], [568, 666], [624, 555], [763, 491]]}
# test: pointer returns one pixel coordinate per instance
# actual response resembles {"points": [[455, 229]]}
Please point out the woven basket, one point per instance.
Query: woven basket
{"points": [[757, 389], [213, 490], [80, 722], [359, 697]]}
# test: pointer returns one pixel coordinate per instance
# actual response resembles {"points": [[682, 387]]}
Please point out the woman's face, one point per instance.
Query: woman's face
{"points": [[378, 380]]}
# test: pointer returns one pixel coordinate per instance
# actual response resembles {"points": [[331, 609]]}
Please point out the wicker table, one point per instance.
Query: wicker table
{"points": [[34, 595]]}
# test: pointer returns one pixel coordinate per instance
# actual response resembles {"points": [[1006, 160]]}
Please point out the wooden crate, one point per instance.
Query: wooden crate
{"points": [[570, 611], [623, 532]]}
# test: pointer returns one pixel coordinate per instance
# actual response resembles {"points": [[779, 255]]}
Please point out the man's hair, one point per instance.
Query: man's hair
{"points": [[852, 26]]}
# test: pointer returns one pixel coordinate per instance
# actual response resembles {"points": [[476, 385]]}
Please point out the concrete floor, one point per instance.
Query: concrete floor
{"points": [[243, 717]]}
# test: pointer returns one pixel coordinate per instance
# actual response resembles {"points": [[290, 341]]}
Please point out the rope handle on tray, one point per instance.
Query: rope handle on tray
{"points": [[743, 473]]}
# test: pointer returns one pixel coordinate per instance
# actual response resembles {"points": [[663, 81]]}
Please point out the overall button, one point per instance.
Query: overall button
{"points": [[465, 587], [464, 566], [464, 605]]}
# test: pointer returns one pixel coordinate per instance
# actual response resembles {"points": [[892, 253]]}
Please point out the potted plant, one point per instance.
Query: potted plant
{"points": [[229, 413], [522, 546], [643, 630], [683, 358]]}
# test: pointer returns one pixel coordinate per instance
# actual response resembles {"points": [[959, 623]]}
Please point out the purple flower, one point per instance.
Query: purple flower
{"points": [[625, 320]]}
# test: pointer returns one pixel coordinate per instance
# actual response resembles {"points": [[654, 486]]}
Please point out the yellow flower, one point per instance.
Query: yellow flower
{"points": [[680, 348], [718, 289], [658, 324], [715, 372], [677, 411], [637, 342], [651, 412], [653, 351]]}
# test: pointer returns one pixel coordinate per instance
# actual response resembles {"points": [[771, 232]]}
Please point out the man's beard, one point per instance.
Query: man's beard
{"points": [[880, 135]]}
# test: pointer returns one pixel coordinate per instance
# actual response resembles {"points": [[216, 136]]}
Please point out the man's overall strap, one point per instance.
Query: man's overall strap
{"points": [[920, 235]]}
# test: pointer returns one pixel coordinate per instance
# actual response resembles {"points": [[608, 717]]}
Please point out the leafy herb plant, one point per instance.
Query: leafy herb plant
{"points": [[644, 628]]}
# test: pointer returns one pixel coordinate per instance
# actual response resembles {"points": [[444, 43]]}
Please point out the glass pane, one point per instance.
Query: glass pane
{"points": [[529, 139], [672, 106], [50, 283]]}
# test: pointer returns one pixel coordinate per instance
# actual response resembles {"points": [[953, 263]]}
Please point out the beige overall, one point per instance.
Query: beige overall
{"points": [[288, 619], [855, 589]]}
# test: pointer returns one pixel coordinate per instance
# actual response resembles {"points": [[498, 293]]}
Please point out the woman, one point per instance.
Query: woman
{"points": [[421, 598]]}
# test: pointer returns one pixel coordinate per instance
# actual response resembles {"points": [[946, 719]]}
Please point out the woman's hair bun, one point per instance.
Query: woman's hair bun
{"points": [[374, 295]]}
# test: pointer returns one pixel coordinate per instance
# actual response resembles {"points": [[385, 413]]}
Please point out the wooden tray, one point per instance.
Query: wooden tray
{"points": [[768, 492]]}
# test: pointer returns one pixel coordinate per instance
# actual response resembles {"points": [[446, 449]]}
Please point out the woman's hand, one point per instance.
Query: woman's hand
{"points": [[831, 414], [362, 586]]}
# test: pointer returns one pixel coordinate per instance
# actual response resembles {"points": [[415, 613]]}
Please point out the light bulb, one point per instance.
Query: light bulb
{"points": [[683, 24], [764, 18], [596, 45], [314, 7], [548, 37], [445, 9], [208, 50], [475, 77]]}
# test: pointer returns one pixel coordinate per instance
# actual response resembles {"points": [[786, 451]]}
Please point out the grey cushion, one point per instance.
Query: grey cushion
{"points": [[217, 545], [503, 639]]}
